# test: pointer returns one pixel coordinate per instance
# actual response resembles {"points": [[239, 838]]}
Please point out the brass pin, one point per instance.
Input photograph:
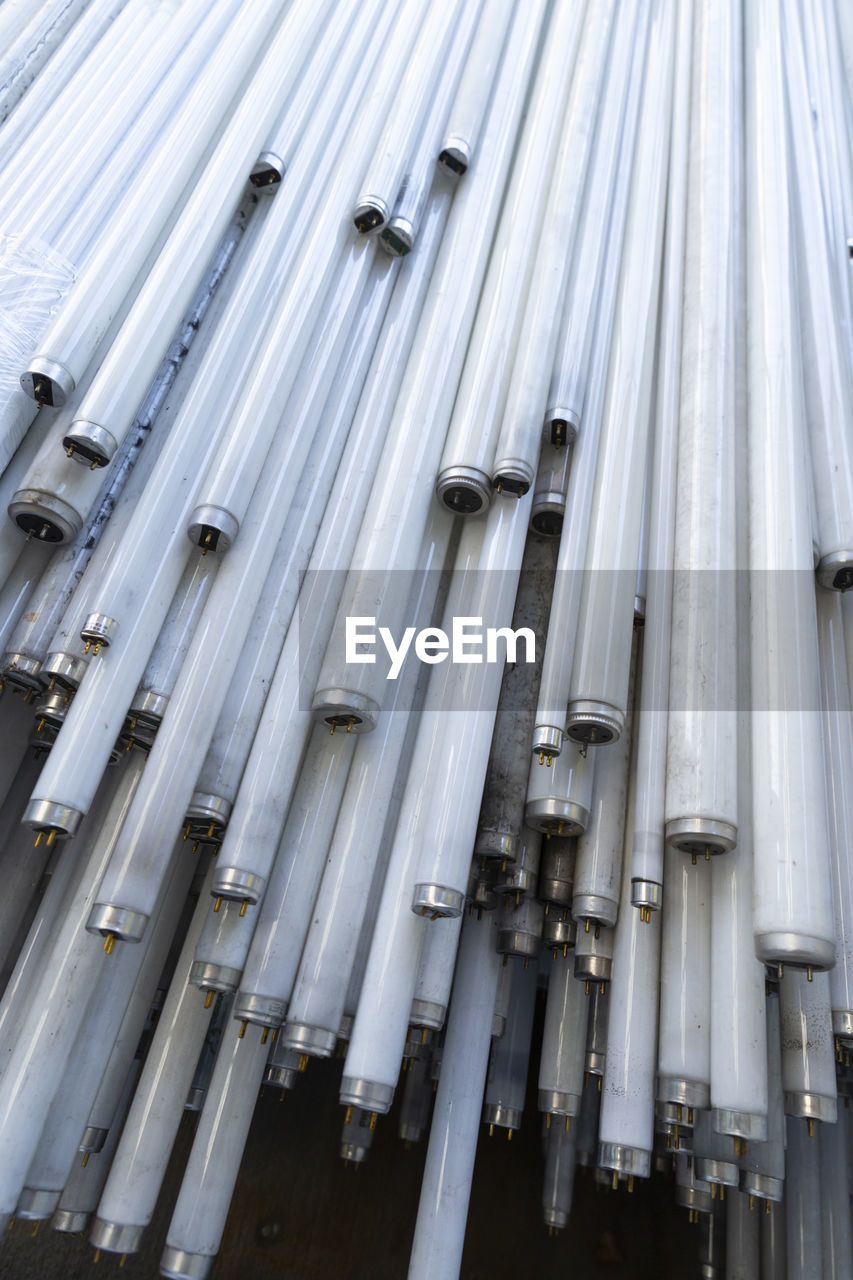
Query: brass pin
{"points": [[97, 648], [675, 1135], [350, 724], [614, 1180], [752, 1202], [373, 1119], [87, 646], [601, 987], [565, 950], [84, 1161], [424, 1036], [689, 1115], [332, 731], [109, 943], [243, 906], [51, 836], [548, 1120], [243, 1025], [97, 1256], [767, 1206], [348, 1115], [586, 926], [678, 1112], [509, 1135], [35, 1229], [568, 1124], [208, 1000], [491, 1130], [693, 860], [218, 903], [211, 829], [586, 987], [810, 1127], [505, 959], [187, 830], [40, 725], [541, 757], [264, 1035], [69, 452], [809, 974], [713, 1190], [707, 854], [548, 760], [599, 1084], [547, 907], [196, 846], [124, 1255], [38, 839], [630, 1182], [722, 1191], [303, 1062], [51, 684], [274, 1035]]}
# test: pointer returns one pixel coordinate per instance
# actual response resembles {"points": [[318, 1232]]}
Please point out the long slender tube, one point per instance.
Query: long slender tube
{"points": [[470, 104], [506, 1084], [400, 499], [792, 914], [808, 1049], [446, 1184], [835, 1193], [598, 693], [742, 1238], [684, 1050], [603, 223], [463, 481], [561, 1062], [702, 744], [763, 1164], [803, 1204]]}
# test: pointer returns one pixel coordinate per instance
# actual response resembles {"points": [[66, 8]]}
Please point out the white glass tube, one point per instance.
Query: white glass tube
{"points": [[742, 1238], [198, 1220], [763, 1164], [826, 353], [19, 587], [435, 974], [506, 1083], [137, 1170], [465, 117], [792, 915], [66, 349], [598, 692], [446, 1184], [559, 1177], [684, 1049], [808, 1047], [560, 795], [561, 1061], [835, 1194], [598, 865], [549, 490], [647, 853], [603, 223], [403, 226], [804, 1209], [401, 496], [838, 738], [626, 1127], [517, 440], [702, 741], [26, 54], [774, 1244], [464, 474], [421, 49]]}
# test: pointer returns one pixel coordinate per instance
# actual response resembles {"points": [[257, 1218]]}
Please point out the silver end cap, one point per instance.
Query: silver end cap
{"points": [[633, 1162], [547, 742], [397, 237], [693, 1094], [646, 893], [512, 476], [21, 670], [516, 942], [598, 910], [437, 900], [99, 629], [267, 172], [762, 1185], [316, 1041], [370, 214], [842, 1024], [367, 1094], [180, 1265], [559, 933], [504, 1117], [35, 1204], [121, 922], [466, 491], [593, 968], [89, 443], [835, 571], [345, 710], [740, 1124], [721, 1172], [594, 723], [553, 1102], [67, 669], [116, 1237], [47, 381], [46, 815], [547, 515], [491, 843], [265, 1011], [811, 1106], [556, 817], [701, 836], [212, 528], [214, 977], [207, 807], [242, 886], [93, 1139], [561, 425], [427, 1013], [795, 950], [44, 516], [455, 156], [72, 1221]]}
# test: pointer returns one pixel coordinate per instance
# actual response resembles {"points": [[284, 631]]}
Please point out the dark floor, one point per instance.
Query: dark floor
{"points": [[300, 1213]]}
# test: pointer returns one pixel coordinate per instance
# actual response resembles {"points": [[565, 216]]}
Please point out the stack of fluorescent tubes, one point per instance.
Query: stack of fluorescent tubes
{"points": [[425, 436]]}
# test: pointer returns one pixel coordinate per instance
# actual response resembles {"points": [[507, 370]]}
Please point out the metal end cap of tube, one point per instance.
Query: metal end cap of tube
{"points": [[232, 882], [795, 950], [195, 1099], [370, 214], [267, 172], [428, 1013], [593, 968], [739, 1124], [505, 1117], [149, 706], [631, 1161], [35, 1204], [811, 1106], [212, 528], [694, 1094], [556, 817], [594, 1063], [559, 933], [483, 896], [701, 836], [466, 491], [555, 1218], [592, 722], [180, 1265], [835, 571], [345, 1029], [93, 1139], [842, 1024], [455, 156], [316, 1041], [281, 1077], [397, 237], [214, 977], [370, 1095], [513, 476], [345, 709], [407, 1131], [44, 516], [646, 893], [721, 1172], [561, 424], [47, 815], [53, 707], [72, 1221], [99, 629], [47, 382], [693, 1198], [519, 942], [547, 742], [437, 900], [547, 514], [639, 611], [671, 1113], [553, 1102], [209, 808], [762, 1185], [122, 922], [116, 1237], [352, 1153], [89, 443], [518, 880], [557, 893], [498, 1025], [495, 844], [592, 907], [266, 1011], [66, 669], [21, 671]]}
